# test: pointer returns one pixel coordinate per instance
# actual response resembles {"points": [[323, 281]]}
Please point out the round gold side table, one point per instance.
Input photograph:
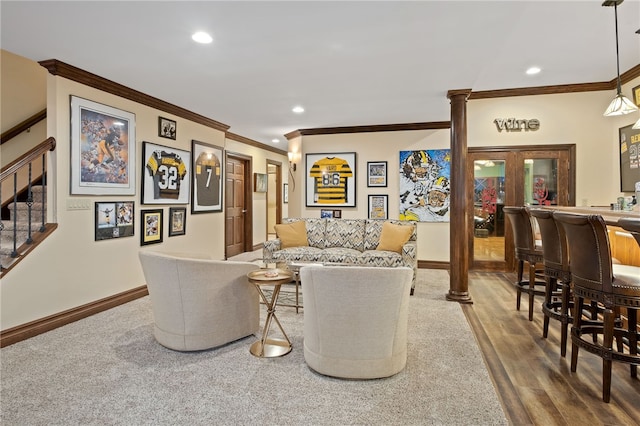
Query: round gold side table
{"points": [[266, 347]]}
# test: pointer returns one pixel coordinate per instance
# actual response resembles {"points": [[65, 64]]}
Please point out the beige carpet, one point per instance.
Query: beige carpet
{"points": [[108, 370]]}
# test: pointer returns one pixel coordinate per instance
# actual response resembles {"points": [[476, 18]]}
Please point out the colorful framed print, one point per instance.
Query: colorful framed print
{"points": [[103, 149], [424, 189], [208, 179], [166, 174], [114, 219], [285, 193], [331, 180], [376, 173], [151, 226], [260, 182], [177, 221], [636, 95], [167, 128], [378, 207]]}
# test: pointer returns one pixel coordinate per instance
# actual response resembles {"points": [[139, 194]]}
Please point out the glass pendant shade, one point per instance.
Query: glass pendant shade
{"points": [[637, 125], [620, 105]]}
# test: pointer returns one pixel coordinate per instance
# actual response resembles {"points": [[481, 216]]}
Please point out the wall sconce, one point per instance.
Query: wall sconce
{"points": [[292, 168], [292, 165]]}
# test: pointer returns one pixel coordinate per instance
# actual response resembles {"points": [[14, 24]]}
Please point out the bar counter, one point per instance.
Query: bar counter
{"points": [[610, 216]]}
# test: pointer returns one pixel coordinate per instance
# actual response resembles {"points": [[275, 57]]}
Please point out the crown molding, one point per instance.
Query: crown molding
{"points": [[247, 141]]}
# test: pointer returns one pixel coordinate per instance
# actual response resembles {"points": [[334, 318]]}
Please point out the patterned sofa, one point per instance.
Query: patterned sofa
{"points": [[346, 241]]}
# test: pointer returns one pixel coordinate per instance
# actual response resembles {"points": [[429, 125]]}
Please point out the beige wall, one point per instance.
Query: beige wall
{"points": [[574, 118], [70, 269]]}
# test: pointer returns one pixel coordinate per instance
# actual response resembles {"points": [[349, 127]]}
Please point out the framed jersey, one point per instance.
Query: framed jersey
{"points": [[331, 179], [166, 174], [206, 188]]}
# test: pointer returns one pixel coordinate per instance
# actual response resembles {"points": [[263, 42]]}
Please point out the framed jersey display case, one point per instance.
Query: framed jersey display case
{"points": [[206, 188], [331, 179], [166, 174]]}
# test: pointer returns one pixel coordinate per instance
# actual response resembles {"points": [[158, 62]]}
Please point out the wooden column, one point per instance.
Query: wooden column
{"points": [[459, 250]]}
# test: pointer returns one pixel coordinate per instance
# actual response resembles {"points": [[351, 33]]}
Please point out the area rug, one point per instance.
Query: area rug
{"points": [[108, 370]]}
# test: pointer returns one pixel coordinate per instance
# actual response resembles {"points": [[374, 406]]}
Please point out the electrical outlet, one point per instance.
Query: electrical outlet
{"points": [[78, 204]]}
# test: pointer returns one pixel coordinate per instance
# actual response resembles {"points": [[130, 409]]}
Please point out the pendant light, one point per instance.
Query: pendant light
{"points": [[620, 105]]}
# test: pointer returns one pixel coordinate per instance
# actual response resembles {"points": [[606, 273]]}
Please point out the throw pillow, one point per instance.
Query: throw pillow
{"points": [[292, 234], [393, 237]]}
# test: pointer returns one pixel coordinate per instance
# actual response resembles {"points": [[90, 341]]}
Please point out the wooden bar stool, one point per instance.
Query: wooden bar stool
{"points": [[526, 251], [557, 299], [594, 278]]}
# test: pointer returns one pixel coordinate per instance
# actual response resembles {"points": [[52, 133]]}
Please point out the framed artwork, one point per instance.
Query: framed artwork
{"points": [[377, 173], [177, 221], [425, 192], [326, 214], [378, 207], [285, 193], [337, 214], [260, 181], [103, 149], [208, 179], [166, 128], [165, 178], [114, 219], [151, 227], [629, 145], [636, 95], [331, 180]]}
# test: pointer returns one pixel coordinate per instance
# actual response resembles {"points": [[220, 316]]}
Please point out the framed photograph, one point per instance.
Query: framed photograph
{"points": [[378, 207], [151, 227], [114, 219], [103, 150], [208, 178], [260, 181], [177, 221], [166, 128], [331, 180], [337, 214], [285, 193], [636, 95], [377, 173], [629, 158], [165, 178], [326, 214]]}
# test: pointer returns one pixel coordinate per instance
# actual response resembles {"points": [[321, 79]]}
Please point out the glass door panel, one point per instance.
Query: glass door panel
{"points": [[488, 216], [541, 181]]}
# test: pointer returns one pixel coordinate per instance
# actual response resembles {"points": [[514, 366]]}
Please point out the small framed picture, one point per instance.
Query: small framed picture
{"points": [[378, 207], [260, 182], [166, 128], [636, 95], [326, 214], [151, 226], [337, 214], [177, 221], [285, 193], [377, 173], [114, 219]]}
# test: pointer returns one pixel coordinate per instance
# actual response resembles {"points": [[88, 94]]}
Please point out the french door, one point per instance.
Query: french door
{"points": [[512, 176]]}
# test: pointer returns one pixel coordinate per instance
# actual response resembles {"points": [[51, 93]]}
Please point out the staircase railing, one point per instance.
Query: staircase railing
{"points": [[11, 171]]}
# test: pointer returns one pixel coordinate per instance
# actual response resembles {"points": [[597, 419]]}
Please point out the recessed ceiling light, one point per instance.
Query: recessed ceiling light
{"points": [[298, 109], [202, 37], [533, 70], [275, 140]]}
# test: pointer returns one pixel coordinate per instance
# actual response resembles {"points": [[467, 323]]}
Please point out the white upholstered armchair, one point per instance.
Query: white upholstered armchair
{"points": [[355, 320], [199, 303]]}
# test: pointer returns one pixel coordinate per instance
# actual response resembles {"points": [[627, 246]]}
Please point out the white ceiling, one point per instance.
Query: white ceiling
{"points": [[348, 63]]}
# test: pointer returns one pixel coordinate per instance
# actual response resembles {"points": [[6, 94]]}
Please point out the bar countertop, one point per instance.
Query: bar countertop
{"points": [[610, 216]]}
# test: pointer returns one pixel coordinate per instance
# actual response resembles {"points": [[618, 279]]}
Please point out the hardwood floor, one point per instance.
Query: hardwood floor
{"points": [[534, 382]]}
